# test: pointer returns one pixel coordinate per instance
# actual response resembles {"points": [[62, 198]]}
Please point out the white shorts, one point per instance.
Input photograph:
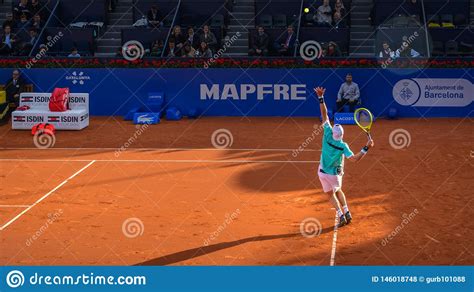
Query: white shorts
{"points": [[329, 182]]}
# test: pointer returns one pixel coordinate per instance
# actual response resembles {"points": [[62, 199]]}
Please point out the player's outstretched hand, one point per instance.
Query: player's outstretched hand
{"points": [[370, 143], [320, 91]]}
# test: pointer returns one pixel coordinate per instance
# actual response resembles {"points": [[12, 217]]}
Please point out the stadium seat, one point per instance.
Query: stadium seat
{"points": [[308, 19], [217, 20], [400, 21], [279, 20], [433, 19], [447, 21], [460, 20], [266, 20], [465, 48], [438, 49], [452, 48]]}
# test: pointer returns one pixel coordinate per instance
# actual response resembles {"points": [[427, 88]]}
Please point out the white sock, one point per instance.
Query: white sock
{"points": [[339, 213], [345, 208]]}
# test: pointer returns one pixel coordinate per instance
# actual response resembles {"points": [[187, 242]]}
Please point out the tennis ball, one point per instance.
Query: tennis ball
{"points": [[306, 10]]}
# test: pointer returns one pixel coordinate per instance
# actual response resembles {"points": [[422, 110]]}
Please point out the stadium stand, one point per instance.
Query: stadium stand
{"points": [[357, 27]]}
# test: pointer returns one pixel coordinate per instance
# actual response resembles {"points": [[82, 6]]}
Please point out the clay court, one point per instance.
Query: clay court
{"points": [[243, 205]]}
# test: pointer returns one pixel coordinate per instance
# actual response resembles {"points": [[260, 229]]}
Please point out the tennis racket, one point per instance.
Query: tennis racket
{"points": [[364, 118]]}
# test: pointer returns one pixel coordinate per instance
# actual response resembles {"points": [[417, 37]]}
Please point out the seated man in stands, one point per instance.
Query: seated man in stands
{"points": [[348, 94], [35, 7], [192, 38], [172, 50], [9, 21], [209, 38], [154, 16], [411, 8], [74, 53], [339, 22], [386, 51], [333, 50], [259, 43], [324, 14], [28, 45], [286, 44], [22, 8], [406, 52], [204, 51], [13, 88], [9, 41], [36, 22], [156, 48]]}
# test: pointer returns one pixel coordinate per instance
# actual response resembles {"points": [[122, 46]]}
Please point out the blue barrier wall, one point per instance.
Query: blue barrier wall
{"points": [[264, 92]]}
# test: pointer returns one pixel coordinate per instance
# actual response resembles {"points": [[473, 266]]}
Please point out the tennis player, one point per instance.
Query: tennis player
{"points": [[331, 167]]}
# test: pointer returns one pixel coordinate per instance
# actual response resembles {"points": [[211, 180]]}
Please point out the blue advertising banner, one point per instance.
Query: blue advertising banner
{"points": [[396, 278], [264, 92]]}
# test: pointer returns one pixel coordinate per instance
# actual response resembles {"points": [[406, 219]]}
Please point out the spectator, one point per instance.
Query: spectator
{"points": [[22, 8], [9, 21], [412, 8], [188, 51], [36, 22], [204, 51], [406, 52], [13, 88], [259, 43], [339, 22], [286, 48], [179, 40], [9, 41], [386, 51], [208, 37], [333, 50], [74, 53], [35, 7], [172, 50], [28, 45], [192, 38], [23, 24], [154, 16], [348, 94], [339, 7], [156, 48], [323, 14]]}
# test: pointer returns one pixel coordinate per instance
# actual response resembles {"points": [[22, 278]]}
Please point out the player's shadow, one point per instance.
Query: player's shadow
{"points": [[203, 250]]}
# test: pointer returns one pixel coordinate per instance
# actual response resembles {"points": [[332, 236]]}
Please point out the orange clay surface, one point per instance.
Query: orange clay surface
{"points": [[198, 205]]}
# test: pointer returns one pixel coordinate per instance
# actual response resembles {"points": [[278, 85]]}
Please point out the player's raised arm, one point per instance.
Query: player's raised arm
{"points": [[322, 105], [363, 151]]}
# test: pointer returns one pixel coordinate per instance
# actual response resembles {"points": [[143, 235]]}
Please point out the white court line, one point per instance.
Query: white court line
{"points": [[166, 149], [160, 160], [14, 206], [45, 196], [334, 241]]}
